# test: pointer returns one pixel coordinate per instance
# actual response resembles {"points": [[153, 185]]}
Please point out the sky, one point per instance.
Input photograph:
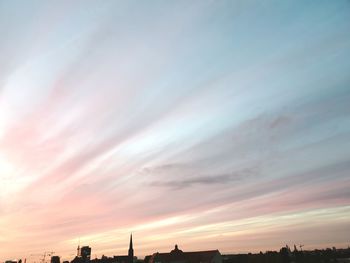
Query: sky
{"points": [[208, 124]]}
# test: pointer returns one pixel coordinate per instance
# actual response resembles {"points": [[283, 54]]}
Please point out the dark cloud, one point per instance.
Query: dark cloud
{"points": [[280, 121], [208, 179]]}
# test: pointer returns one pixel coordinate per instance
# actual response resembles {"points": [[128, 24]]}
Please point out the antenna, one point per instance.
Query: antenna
{"points": [[78, 249]]}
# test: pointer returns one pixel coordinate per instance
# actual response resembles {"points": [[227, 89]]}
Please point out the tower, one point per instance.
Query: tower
{"points": [[85, 253], [78, 249], [131, 251]]}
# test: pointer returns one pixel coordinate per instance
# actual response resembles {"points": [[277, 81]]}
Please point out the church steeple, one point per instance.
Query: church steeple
{"points": [[130, 245], [131, 251]]}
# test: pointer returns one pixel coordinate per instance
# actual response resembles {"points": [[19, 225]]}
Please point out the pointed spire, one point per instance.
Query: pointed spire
{"points": [[130, 245], [131, 251]]}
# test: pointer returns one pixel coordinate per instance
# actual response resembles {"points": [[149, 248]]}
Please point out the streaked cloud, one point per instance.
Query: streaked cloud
{"points": [[200, 123]]}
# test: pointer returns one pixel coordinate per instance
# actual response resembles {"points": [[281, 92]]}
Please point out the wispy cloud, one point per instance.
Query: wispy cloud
{"points": [[234, 177], [187, 122]]}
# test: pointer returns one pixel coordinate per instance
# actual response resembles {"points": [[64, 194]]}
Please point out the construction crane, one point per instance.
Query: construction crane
{"points": [[35, 255], [46, 253]]}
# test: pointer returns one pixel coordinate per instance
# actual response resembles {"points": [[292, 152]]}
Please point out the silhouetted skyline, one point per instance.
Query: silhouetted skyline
{"points": [[284, 255]]}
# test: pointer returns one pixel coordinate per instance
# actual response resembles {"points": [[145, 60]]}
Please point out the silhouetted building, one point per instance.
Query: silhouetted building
{"points": [[285, 254], [178, 256], [131, 251], [55, 259], [85, 253], [130, 258], [147, 259]]}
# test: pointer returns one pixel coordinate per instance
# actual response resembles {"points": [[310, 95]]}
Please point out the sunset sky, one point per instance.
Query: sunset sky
{"points": [[208, 124]]}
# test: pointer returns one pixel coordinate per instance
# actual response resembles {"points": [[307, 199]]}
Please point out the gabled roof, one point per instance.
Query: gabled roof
{"points": [[188, 257]]}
